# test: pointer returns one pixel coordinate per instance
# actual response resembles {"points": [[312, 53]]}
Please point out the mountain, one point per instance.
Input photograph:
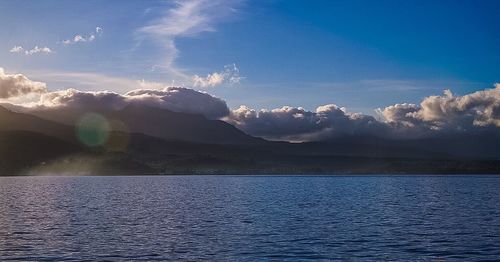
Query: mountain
{"points": [[170, 125], [155, 141], [157, 122], [12, 121], [22, 150], [481, 144]]}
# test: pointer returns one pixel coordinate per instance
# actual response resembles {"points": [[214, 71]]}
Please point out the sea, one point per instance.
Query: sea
{"points": [[250, 218]]}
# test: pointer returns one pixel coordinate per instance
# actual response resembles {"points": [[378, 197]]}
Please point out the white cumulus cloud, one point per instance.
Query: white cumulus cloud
{"points": [[15, 85], [16, 49], [448, 111], [230, 75], [79, 38], [34, 50]]}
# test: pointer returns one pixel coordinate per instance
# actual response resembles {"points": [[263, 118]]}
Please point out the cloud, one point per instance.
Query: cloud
{"points": [[72, 98], [34, 50], [18, 85], [230, 75], [181, 99], [176, 99], [78, 38], [298, 124], [91, 81], [435, 115], [449, 112], [186, 19], [16, 49], [153, 94], [399, 113], [46, 50]]}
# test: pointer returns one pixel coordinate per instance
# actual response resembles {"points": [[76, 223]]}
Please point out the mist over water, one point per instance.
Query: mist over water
{"points": [[250, 218]]}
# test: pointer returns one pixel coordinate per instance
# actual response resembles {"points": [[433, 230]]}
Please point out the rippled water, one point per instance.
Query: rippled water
{"points": [[250, 218]]}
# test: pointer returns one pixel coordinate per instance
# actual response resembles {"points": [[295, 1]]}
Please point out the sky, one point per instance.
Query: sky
{"points": [[362, 55]]}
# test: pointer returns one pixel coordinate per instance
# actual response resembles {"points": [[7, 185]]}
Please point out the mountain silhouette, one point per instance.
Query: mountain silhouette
{"points": [[157, 122], [12, 121], [21, 150], [146, 140]]}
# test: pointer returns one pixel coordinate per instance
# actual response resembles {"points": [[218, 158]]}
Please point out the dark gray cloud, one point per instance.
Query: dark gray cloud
{"points": [[72, 98], [181, 99], [298, 124], [18, 85], [176, 99]]}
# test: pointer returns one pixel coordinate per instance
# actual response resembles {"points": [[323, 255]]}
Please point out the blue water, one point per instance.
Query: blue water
{"points": [[238, 218]]}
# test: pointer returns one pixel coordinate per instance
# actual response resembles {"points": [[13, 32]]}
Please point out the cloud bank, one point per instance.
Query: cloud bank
{"points": [[297, 124], [153, 94], [435, 115], [18, 85], [176, 99], [181, 99], [449, 112]]}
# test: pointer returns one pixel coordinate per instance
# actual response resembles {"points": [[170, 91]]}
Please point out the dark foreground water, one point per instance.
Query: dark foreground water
{"points": [[250, 218]]}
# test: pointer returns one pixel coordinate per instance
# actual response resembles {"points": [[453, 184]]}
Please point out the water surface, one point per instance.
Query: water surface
{"points": [[250, 218]]}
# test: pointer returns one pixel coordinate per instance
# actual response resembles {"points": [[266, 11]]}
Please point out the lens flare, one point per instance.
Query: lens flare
{"points": [[93, 130]]}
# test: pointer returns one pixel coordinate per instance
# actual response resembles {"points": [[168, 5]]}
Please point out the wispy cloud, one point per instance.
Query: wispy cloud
{"points": [[186, 19], [91, 81], [79, 38], [34, 50]]}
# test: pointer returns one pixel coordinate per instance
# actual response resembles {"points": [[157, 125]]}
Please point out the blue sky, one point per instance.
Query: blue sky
{"points": [[358, 54]]}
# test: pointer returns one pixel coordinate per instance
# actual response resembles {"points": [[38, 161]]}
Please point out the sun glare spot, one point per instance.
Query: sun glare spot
{"points": [[93, 130]]}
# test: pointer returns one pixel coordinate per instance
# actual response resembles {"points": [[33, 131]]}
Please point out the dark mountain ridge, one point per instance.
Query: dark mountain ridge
{"points": [[12, 121], [157, 122], [28, 142]]}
